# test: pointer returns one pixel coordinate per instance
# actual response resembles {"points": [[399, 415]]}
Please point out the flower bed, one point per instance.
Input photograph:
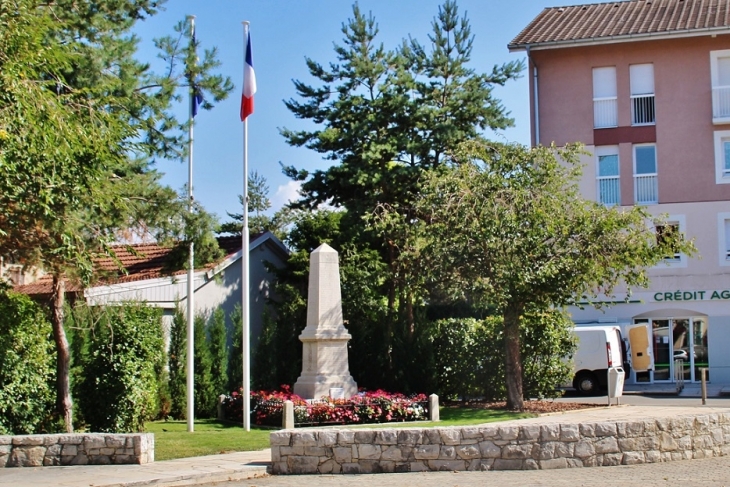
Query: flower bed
{"points": [[366, 407]]}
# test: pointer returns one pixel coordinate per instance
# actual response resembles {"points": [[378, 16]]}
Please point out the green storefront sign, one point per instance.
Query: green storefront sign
{"points": [[716, 295]]}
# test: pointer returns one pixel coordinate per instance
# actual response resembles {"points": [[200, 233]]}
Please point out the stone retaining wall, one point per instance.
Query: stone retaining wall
{"points": [[501, 447], [76, 449]]}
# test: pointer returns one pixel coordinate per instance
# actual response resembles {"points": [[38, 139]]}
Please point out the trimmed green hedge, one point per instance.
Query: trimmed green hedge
{"points": [[27, 371]]}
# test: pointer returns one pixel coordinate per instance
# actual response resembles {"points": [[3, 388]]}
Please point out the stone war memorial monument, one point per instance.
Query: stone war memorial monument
{"points": [[325, 369]]}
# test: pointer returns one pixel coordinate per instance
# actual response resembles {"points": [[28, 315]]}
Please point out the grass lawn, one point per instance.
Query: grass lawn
{"points": [[211, 437]]}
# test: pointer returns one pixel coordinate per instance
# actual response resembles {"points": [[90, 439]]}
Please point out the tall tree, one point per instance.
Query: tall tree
{"points": [[507, 226], [258, 203], [82, 122], [383, 117]]}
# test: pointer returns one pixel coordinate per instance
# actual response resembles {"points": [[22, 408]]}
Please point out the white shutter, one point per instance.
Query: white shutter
{"points": [[642, 79], [727, 239], [604, 82], [723, 71]]}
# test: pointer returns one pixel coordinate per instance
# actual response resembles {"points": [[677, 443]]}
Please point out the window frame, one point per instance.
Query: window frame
{"points": [[647, 100], [722, 238], [655, 173], [715, 82], [603, 151], [722, 175], [680, 259]]}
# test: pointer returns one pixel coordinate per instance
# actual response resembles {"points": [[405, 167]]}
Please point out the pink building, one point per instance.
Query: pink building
{"points": [[645, 86]]}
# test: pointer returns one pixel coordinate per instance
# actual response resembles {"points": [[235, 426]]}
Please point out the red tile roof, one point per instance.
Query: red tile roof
{"points": [[133, 263], [623, 20]]}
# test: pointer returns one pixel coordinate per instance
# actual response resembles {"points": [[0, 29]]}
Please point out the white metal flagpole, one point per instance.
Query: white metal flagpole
{"points": [[191, 270], [245, 257]]}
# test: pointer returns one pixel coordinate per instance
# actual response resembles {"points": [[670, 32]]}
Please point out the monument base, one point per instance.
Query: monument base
{"points": [[316, 386]]}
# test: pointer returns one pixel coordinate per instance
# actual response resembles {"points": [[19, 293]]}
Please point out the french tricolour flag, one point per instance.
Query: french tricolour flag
{"points": [[249, 82]]}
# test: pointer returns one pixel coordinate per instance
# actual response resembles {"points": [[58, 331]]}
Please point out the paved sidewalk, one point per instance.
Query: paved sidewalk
{"points": [[212, 469], [183, 471]]}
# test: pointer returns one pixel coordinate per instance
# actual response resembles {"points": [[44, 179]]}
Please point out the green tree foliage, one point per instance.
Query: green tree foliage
{"points": [[468, 355], [383, 117], [205, 394], [177, 365], [258, 203], [217, 338], [26, 366], [82, 122], [122, 368], [235, 355], [507, 227]]}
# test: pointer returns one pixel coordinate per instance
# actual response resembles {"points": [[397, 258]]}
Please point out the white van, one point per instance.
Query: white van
{"points": [[603, 346]]}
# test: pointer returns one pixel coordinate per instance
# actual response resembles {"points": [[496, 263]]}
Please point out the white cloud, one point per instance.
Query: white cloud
{"points": [[286, 193]]}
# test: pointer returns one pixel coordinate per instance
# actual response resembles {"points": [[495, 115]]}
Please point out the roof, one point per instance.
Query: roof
{"points": [[140, 262], [623, 21]]}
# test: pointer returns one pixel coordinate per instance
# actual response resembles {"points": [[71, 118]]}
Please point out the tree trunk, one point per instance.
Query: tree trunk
{"points": [[513, 359], [63, 389]]}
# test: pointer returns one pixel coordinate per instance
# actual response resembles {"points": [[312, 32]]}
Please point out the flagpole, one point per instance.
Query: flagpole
{"points": [[245, 264], [191, 263]]}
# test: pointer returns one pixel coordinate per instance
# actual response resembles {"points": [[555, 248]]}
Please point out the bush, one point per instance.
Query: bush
{"points": [[177, 364], [206, 397], [27, 371], [122, 368], [469, 356]]}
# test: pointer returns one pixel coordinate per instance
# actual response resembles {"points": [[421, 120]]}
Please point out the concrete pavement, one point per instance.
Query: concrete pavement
{"points": [[247, 468]]}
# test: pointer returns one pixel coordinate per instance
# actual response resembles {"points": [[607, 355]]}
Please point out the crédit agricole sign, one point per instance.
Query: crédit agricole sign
{"points": [[679, 295]]}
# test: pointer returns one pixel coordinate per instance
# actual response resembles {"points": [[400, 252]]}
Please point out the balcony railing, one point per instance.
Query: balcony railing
{"points": [[605, 112], [642, 110], [721, 102], [609, 191], [645, 189]]}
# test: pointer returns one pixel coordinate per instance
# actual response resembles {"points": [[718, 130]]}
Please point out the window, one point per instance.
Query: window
{"points": [[672, 225], [720, 73], [723, 227], [607, 170], [664, 232], [722, 157], [605, 113], [645, 175], [642, 94]]}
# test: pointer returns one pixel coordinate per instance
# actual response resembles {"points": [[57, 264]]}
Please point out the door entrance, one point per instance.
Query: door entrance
{"points": [[679, 346]]}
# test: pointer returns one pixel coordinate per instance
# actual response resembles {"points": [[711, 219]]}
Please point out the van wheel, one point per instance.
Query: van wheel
{"points": [[586, 383]]}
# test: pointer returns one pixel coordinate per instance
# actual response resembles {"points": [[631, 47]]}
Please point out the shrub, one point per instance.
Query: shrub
{"points": [[122, 367], [177, 365], [469, 355], [217, 337], [27, 372], [205, 402]]}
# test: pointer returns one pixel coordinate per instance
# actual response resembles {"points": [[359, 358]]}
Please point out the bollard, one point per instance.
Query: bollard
{"points": [[433, 408], [703, 376], [220, 410], [288, 416]]}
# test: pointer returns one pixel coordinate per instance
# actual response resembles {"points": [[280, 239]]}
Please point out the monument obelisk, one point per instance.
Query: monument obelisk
{"points": [[324, 361]]}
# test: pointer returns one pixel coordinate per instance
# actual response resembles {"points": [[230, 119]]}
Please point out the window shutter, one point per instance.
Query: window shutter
{"points": [[727, 239], [641, 79], [604, 82], [723, 71]]}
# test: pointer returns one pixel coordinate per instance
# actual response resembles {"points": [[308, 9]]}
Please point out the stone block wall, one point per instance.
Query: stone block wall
{"points": [[500, 447], [76, 449]]}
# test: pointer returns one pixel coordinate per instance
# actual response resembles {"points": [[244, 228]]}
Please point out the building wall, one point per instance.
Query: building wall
{"points": [[683, 100]]}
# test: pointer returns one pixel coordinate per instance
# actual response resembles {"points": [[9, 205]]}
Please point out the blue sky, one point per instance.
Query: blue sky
{"points": [[283, 33]]}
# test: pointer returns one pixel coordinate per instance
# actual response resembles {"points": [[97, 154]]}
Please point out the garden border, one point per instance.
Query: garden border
{"points": [[558, 443], [76, 449]]}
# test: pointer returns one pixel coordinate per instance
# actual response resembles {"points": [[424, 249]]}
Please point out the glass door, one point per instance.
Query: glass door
{"points": [[699, 356], [681, 349], [662, 350]]}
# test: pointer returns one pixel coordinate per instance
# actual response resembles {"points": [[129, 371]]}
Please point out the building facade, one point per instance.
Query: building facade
{"points": [[645, 86]]}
